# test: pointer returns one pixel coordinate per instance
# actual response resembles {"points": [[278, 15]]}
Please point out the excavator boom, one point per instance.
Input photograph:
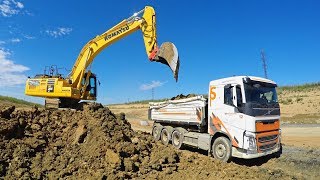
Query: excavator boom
{"points": [[147, 24]]}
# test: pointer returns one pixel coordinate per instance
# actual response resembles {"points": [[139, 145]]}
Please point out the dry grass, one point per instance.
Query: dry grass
{"points": [[300, 105]]}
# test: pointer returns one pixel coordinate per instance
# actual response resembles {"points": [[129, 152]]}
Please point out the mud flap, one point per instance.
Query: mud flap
{"points": [[168, 55]]}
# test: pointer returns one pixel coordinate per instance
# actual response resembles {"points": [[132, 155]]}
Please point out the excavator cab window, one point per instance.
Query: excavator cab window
{"points": [[93, 86]]}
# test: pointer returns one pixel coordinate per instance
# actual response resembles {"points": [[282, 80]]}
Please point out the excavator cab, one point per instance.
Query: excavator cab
{"points": [[92, 87], [90, 84]]}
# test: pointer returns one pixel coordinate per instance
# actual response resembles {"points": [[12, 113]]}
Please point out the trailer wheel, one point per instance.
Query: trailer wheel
{"points": [[165, 136], [177, 139], [221, 149], [156, 133]]}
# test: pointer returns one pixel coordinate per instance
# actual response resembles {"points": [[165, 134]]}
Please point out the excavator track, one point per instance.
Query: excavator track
{"points": [[51, 103], [58, 103]]}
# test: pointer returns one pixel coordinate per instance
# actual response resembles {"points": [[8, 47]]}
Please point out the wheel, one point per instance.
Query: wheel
{"points": [[165, 136], [177, 139], [221, 149], [278, 154], [156, 133]]}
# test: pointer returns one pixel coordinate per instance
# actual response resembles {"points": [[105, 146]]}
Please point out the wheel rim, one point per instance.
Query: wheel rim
{"points": [[220, 150], [155, 133], [165, 136], [176, 138]]}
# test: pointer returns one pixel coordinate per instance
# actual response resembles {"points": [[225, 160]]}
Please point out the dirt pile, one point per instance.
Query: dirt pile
{"points": [[93, 143], [182, 96]]}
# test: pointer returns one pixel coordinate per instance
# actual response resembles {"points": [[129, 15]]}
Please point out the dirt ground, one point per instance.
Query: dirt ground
{"points": [[95, 143], [301, 143]]}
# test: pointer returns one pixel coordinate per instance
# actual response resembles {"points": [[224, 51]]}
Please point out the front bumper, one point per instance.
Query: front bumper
{"points": [[240, 154]]}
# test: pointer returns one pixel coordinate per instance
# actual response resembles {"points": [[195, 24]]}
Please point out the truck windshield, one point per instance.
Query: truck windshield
{"points": [[260, 93]]}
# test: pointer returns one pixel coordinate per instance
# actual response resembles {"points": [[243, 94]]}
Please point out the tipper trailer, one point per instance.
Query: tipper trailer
{"points": [[240, 118]]}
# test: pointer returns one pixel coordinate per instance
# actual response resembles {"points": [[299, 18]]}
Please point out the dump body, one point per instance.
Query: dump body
{"points": [[185, 112]]}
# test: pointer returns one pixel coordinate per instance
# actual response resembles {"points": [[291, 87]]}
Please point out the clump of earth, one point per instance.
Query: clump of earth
{"points": [[182, 96]]}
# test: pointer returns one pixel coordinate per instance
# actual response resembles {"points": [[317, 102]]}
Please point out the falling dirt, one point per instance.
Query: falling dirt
{"points": [[96, 144]]}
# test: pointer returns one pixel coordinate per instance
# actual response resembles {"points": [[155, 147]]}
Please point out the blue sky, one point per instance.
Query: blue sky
{"points": [[215, 39]]}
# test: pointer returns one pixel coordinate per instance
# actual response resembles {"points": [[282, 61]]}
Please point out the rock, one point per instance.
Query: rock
{"points": [[144, 123], [5, 113], [128, 165], [122, 116], [112, 158], [35, 127], [135, 140], [80, 134], [168, 170]]}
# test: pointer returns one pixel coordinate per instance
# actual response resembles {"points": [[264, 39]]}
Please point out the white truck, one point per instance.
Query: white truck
{"points": [[240, 118]]}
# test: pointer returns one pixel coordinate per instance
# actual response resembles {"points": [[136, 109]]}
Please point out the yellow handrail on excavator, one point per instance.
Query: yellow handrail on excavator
{"points": [[80, 84]]}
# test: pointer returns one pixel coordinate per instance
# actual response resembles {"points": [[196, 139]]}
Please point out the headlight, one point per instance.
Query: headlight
{"points": [[251, 144]]}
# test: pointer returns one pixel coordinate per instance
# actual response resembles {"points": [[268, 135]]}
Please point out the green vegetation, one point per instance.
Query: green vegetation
{"points": [[299, 88], [17, 101], [147, 101], [291, 100], [302, 119], [286, 101]]}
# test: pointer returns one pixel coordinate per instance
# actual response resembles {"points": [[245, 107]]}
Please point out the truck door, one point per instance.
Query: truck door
{"points": [[229, 103], [233, 123]]}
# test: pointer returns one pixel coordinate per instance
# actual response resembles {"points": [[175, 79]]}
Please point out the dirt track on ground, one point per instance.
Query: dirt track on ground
{"points": [[97, 144]]}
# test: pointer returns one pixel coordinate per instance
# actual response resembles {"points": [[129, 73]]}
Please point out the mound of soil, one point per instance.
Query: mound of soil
{"points": [[96, 144], [93, 143], [182, 96]]}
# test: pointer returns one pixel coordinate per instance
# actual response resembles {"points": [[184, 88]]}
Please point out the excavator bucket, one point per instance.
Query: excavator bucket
{"points": [[168, 55]]}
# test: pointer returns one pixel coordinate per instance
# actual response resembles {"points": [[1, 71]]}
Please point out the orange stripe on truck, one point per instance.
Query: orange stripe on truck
{"points": [[218, 123], [265, 126]]}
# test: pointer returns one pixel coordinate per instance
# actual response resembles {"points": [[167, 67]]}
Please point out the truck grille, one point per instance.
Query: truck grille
{"points": [[267, 147], [267, 138], [267, 141]]}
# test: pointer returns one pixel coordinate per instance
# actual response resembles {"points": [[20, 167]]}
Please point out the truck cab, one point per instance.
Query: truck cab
{"points": [[246, 110]]}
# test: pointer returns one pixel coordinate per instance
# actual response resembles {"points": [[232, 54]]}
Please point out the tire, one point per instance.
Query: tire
{"points": [[156, 133], [165, 136], [278, 154], [221, 149], [177, 139]]}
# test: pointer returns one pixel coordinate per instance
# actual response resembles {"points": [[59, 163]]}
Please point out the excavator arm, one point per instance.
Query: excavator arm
{"points": [[145, 20]]}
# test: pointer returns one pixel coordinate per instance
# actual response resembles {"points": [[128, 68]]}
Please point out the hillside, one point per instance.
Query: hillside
{"points": [[300, 104], [6, 101]]}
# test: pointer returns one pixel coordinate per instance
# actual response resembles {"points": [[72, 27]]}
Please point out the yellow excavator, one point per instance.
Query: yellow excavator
{"points": [[81, 83]]}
